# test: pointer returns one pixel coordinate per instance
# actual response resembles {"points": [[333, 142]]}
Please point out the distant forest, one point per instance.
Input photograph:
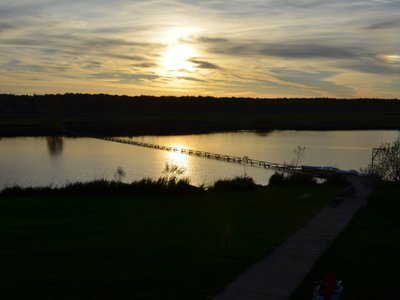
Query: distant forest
{"points": [[112, 114]]}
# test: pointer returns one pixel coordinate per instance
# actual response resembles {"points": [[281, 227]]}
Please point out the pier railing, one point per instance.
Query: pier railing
{"points": [[210, 155]]}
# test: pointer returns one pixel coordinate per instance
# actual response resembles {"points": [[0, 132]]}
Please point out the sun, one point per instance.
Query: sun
{"points": [[176, 59]]}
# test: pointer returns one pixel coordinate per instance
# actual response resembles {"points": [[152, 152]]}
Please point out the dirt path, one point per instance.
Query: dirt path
{"points": [[277, 276]]}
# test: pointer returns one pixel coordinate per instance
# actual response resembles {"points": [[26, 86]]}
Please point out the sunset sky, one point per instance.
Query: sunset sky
{"points": [[252, 48]]}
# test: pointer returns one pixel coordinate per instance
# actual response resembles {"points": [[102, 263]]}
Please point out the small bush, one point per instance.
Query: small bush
{"points": [[297, 178], [386, 163], [337, 179], [300, 178], [119, 174], [237, 183], [277, 179]]}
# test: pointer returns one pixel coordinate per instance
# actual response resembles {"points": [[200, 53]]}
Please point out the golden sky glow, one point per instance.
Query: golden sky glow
{"points": [[274, 48]]}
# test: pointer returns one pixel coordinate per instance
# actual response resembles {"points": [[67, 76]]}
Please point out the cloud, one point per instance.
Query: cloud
{"points": [[303, 3], [123, 77], [289, 50], [314, 80], [384, 25], [190, 78], [145, 65], [5, 26], [204, 64], [393, 85], [210, 40], [18, 66], [383, 1], [370, 66], [70, 44], [123, 56], [314, 50], [268, 88]]}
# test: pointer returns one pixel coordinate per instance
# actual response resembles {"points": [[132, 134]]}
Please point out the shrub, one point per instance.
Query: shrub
{"points": [[386, 161], [172, 176], [277, 179], [296, 178], [301, 178], [337, 179], [237, 183], [119, 174]]}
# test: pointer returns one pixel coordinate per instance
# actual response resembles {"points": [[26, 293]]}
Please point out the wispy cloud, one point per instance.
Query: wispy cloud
{"points": [[294, 49], [190, 78], [17, 65], [5, 26], [123, 77], [385, 25], [317, 81], [201, 64]]}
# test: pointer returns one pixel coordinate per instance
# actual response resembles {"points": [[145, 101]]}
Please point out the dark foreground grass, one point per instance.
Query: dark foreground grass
{"points": [[366, 256], [143, 246]]}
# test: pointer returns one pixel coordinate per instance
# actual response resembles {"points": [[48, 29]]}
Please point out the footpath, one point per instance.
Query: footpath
{"points": [[278, 275]]}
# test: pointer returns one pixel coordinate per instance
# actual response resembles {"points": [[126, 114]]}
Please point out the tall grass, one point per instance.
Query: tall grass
{"points": [[105, 187]]}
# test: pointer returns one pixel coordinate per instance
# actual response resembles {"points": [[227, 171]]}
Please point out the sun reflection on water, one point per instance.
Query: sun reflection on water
{"points": [[177, 157]]}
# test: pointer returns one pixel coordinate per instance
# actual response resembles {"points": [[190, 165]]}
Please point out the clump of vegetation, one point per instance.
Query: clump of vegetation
{"points": [[27, 191], [296, 178], [119, 174], [237, 183], [277, 179], [299, 153], [386, 162], [103, 187], [172, 180], [301, 178], [337, 179], [173, 176]]}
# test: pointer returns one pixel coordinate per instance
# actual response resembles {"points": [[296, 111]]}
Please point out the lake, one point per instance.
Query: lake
{"points": [[44, 161]]}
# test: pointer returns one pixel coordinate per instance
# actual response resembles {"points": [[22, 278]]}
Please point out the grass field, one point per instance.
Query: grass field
{"points": [[366, 256], [143, 246]]}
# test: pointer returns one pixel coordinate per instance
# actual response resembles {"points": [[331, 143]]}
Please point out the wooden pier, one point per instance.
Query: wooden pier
{"points": [[216, 156]]}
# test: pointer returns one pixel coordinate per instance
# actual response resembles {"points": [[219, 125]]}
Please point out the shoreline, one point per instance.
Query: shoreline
{"points": [[186, 128]]}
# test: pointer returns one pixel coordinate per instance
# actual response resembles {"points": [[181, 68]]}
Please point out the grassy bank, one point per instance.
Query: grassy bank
{"points": [[366, 256], [186, 245]]}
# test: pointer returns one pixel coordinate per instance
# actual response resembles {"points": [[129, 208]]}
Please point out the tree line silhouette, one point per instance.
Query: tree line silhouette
{"points": [[144, 114]]}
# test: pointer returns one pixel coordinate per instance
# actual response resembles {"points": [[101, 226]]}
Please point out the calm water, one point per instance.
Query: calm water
{"points": [[54, 161]]}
